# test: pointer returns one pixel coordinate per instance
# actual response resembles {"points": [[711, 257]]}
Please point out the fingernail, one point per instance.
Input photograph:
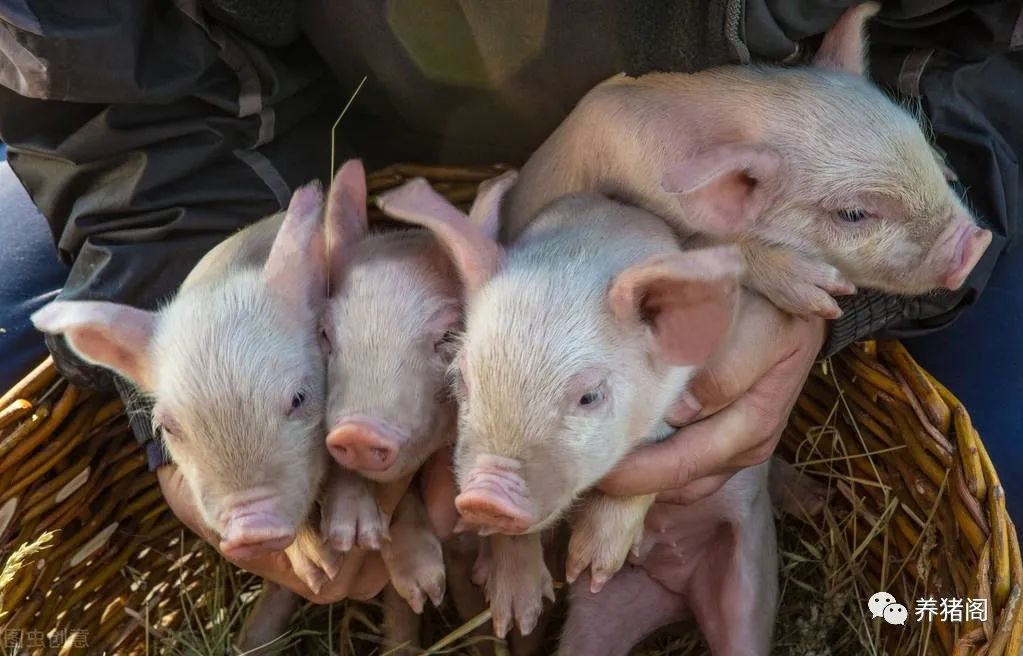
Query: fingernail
{"points": [[687, 408]]}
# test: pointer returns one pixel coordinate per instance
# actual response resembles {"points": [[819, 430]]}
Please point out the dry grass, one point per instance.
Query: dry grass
{"points": [[203, 621], [19, 558]]}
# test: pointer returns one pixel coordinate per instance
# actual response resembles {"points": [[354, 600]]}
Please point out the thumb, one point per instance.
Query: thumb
{"points": [[694, 452], [750, 352]]}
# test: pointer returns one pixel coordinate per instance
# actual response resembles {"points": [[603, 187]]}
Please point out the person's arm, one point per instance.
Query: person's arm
{"points": [[151, 136]]}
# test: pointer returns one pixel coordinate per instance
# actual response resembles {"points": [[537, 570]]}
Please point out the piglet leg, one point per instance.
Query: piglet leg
{"points": [[734, 590], [795, 492], [401, 625], [605, 531], [350, 516], [313, 561], [631, 606], [516, 581], [268, 620], [799, 285], [461, 553], [413, 555]]}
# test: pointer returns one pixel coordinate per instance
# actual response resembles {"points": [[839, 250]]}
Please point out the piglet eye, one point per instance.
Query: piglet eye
{"points": [[297, 400], [852, 215], [447, 346], [165, 424], [593, 397], [446, 341]]}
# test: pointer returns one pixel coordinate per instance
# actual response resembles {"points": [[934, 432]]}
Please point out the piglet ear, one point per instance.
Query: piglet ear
{"points": [[296, 269], [346, 220], [725, 188], [476, 254], [486, 209], [687, 301], [110, 335], [845, 45]]}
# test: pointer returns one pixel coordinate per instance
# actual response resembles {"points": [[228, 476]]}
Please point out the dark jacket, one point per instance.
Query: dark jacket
{"points": [[147, 131]]}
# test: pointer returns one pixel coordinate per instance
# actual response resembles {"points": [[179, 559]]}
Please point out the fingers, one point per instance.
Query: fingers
{"points": [[693, 452], [696, 490], [361, 576], [741, 435], [758, 341]]}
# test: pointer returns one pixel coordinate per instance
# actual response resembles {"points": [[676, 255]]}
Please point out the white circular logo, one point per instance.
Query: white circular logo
{"points": [[882, 604]]}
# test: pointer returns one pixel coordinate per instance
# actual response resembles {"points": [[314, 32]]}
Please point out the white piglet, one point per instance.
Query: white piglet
{"points": [[825, 183], [236, 372], [391, 325], [578, 340]]}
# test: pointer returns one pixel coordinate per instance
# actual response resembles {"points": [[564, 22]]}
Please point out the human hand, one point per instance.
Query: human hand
{"points": [[362, 574], [733, 412]]}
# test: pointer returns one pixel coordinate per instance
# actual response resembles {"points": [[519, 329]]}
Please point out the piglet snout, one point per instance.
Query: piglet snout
{"points": [[968, 246], [253, 528], [494, 496], [363, 443]]}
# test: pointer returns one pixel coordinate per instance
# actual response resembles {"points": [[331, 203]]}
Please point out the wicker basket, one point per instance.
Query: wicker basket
{"points": [[911, 490]]}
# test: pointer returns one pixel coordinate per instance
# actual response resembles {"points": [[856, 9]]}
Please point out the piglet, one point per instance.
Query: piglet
{"points": [[391, 325], [578, 340], [235, 369], [515, 593], [824, 181]]}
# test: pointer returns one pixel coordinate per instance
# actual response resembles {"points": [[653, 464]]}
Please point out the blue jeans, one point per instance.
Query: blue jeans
{"points": [[30, 276], [980, 359]]}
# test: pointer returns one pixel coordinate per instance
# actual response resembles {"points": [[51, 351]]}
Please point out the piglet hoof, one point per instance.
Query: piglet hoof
{"points": [[795, 283], [413, 556], [517, 584], [422, 583], [602, 546], [314, 562], [602, 559], [350, 516], [362, 526], [416, 567], [801, 299]]}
